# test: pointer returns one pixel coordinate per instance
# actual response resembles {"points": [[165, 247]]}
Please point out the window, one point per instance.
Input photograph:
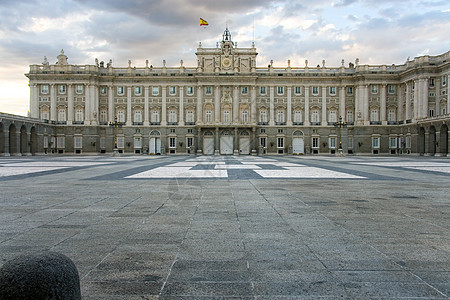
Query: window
{"points": [[350, 116], [444, 80], [298, 118], [44, 89], [262, 90], [280, 131], [315, 142], [315, 90], [44, 99], [172, 130], [375, 142], [262, 130], [332, 116], [262, 142], [392, 115], [332, 90], [280, 116], [62, 115], [172, 142], [103, 90], [155, 116], [62, 89], [137, 90], [120, 142], [298, 90], [60, 142], [431, 113], [172, 90], [78, 142], [172, 116], [244, 90], [226, 116], [137, 142], [155, 91], [374, 88], [350, 142], [391, 89], [408, 142], [120, 90], [208, 116], [103, 116], [392, 142], [137, 116], [332, 142], [190, 116], [190, 90], [431, 82], [208, 90], [280, 90], [263, 116], [79, 115], [315, 116], [120, 116], [280, 142], [245, 116], [374, 115], [190, 141], [79, 89], [349, 90]]}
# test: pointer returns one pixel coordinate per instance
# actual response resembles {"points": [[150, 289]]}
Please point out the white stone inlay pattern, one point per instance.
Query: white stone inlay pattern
{"points": [[305, 172]]}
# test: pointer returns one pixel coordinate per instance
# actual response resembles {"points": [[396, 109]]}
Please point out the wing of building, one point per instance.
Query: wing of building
{"points": [[227, 105]]}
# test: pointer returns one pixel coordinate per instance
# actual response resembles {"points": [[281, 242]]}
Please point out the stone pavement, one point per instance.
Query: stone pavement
{"points": [[272, 227]]}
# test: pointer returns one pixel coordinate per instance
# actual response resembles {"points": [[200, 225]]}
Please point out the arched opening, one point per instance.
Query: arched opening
{"points": [[298, 143], [2, 140], [12, 140], [155, 143], [421, 141], [432, 141], [33, 141], [23, 140], [443, 141]]}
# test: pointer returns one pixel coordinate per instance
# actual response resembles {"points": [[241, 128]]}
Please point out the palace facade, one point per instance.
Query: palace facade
{"points": [[227, 105]]}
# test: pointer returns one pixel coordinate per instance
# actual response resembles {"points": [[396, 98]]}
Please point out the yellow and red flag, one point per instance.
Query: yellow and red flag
{"points": [[203, 22]]}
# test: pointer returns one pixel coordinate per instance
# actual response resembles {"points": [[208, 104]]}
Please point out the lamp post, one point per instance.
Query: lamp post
{"points": [[340, 125], [115, 125]]}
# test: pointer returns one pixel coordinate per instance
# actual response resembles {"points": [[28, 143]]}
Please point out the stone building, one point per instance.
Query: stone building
{"points": [[227, 105]]}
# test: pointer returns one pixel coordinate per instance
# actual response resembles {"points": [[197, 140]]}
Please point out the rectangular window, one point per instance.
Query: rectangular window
{"points": [[155, 91], [44, 89], [280, 90], [190, 90], [315, 90], [208, 90], [332, 116], [244, 90], [431, 82], [374, 88], [332, 90], [349, 90], [137, 90], [376, 142], [102, 142], [315, 142], [444, 80], [262, 90], [280, 142], [79, 89], [62, 89], [190, 142], [172, 142], [431, 113], [103, 90], [172, 90], [332, 142], [262, 142], [391, 89], [350, 116], [120, 90], [298, 90], [78, 142], [120, 142], [137, 142], [408, 142], [60, 142], [392, 142]]}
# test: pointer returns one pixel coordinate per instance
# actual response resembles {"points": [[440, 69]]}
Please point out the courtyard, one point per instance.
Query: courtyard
{"points": [[235, 227]]}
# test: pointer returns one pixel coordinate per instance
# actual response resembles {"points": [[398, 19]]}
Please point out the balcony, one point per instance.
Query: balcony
{"points": [[103, 123], [375, 122], [315, 123], [297, 123], [263, 123], [172, 123], [190, 123], [61, 122], [138, 123], [155, 123], [280, 123], [78, 123]]}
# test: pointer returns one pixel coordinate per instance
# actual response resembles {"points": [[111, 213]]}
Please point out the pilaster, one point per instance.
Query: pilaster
{"points": [[200, 104], [253, 118], [164, 105], [324, 121], [110, 104], [129, 121], [383, 105], [306, 89], [272, 106], [53, 116], [146, 106], [289, 106], [181, 106], [70, 104], [236, 104]]}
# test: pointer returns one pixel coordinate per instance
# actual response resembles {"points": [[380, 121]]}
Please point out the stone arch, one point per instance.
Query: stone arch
{"points": [[297, 133], [155, 133], [33, 141], [432, 141], [12, 139], [443, 140], [23, 140], [421, 141]]}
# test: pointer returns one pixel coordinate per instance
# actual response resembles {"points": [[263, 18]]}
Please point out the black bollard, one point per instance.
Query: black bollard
{"points": [[47, 275]]}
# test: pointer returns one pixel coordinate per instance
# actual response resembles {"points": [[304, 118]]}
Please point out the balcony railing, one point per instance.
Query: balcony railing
{"points": [[78, 122], [297, 123], [375, 122], [190, 123], [138, 123], [155, 123], [263, 123], [280, 123]]}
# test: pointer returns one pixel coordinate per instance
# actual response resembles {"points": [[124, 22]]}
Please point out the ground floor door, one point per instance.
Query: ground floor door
{"points": [[155, 145], [226, 144], [208, 145], [298, 146], [244, 145]]}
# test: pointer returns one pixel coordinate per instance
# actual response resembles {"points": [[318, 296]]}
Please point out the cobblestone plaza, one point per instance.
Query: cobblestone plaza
{"points": [[235, 227]]}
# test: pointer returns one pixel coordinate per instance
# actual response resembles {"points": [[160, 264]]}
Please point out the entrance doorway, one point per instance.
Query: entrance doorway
{"points": [[226, 143]]}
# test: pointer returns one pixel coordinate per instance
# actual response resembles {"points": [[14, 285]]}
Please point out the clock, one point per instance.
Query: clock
{"points": [[226, 62]]}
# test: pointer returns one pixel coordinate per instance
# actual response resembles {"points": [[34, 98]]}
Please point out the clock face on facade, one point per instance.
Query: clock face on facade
{"points": [[226, 62]]}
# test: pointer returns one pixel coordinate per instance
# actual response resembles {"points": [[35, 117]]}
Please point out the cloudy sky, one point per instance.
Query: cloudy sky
{"points": [[375, 31]]}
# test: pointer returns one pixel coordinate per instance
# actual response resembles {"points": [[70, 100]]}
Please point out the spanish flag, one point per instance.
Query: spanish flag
{"points": [[203, 22]]}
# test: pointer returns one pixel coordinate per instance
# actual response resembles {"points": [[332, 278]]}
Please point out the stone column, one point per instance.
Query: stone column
{"points": [[438, 98], [164, 105], [416, 99], [70, 104], [87, 105], [272, 107], [129, 121], [383, 105], [425, 94], [53, 113], [400, 101], [34, 100], [236, 105], [253, 117], [94, 102], [408, 102], [146, 106], [200, 104], [366, 105], [324, 106], [110, 104], [307, 123], [342, 104], [181, 106], [289, 106], [216, 104]]}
